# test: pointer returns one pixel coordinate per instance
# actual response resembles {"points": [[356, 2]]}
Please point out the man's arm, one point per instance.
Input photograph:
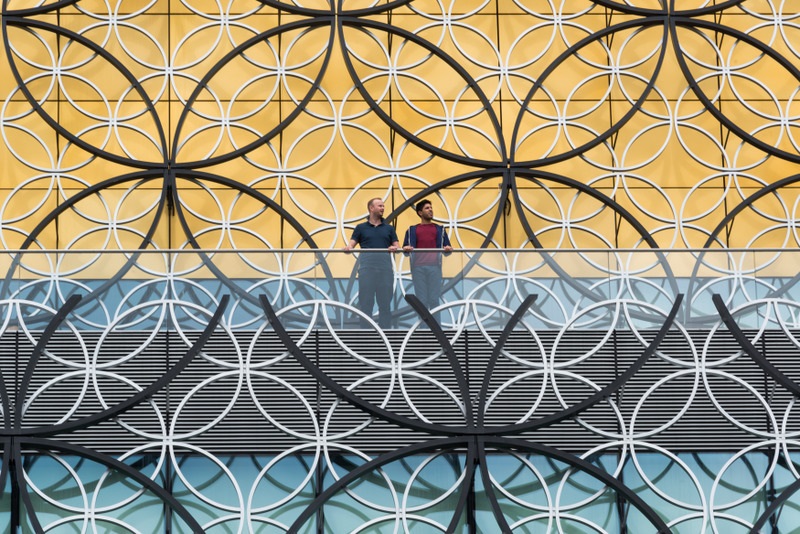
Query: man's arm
{"points": [[446, 246], [394, 242], [353, 240]]}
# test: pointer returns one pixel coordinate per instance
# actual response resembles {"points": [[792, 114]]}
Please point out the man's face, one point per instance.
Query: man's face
{"points": [[377, 208], [426, 213]]}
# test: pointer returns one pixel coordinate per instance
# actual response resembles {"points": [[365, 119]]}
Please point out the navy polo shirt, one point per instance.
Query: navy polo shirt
{"points": [[381, 237]]}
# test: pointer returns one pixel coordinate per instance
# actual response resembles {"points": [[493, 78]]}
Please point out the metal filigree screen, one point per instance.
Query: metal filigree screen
{"points": [[189, 359]]}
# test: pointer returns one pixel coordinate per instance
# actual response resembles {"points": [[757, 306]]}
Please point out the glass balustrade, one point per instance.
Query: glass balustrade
{"points": [[480, 289]]}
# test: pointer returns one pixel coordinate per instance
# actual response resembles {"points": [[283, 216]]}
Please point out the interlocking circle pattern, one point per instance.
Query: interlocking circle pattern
{"points": [[186, 360]]}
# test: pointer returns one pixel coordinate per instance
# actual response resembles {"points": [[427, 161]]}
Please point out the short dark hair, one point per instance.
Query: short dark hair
{"points": [[421, 204]]}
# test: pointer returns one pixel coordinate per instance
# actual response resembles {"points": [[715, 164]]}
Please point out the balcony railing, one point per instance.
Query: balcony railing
{"points": [[480, 289]]}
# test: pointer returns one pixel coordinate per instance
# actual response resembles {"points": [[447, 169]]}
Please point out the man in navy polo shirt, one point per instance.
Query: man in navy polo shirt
{"points": [[426, 267], [375, 272]]}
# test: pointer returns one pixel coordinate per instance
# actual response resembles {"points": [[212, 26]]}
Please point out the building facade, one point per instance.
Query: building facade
{"points": [[616, 345]]}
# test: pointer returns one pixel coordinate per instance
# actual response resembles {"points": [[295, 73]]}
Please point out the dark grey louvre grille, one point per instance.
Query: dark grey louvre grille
{"points": [[235, 424]]}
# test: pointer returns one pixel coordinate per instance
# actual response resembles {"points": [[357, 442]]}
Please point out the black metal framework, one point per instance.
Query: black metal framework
{"points": [[513, 167]]}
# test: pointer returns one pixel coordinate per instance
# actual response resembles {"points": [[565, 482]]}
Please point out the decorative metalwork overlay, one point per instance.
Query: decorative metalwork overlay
{"points": [[268, 125], [567, 390]]}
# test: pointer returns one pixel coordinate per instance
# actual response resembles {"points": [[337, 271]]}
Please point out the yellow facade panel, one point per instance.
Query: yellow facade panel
{"points": [[134, 139], [34, 57], [100, 222], [23, 210], [324, 163], [29, 147]]}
